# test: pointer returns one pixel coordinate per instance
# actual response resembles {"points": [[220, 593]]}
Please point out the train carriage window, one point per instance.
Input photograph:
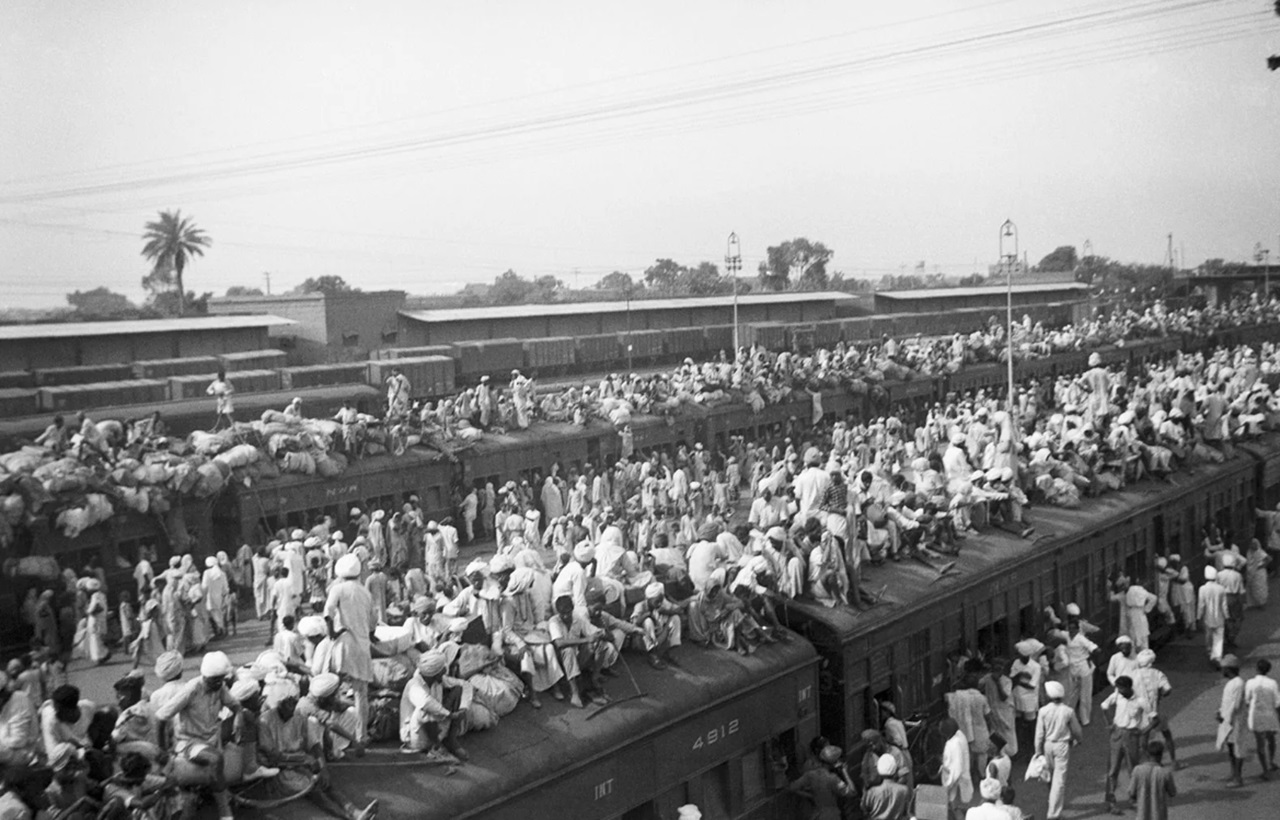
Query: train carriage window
{"points": [[716, 792], [754, 784]]}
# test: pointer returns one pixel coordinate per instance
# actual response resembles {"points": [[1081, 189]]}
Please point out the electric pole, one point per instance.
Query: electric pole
{"points": [[733, 264], [1009, 257], [267, 275]]}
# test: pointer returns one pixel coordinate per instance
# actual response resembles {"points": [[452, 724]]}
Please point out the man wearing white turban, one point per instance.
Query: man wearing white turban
{"points": [[195, 710], [350, 611], [288, 736], [1057, 730], [432, 709], [888, 799], [990, 808], [340, 721], [661, 623], [572, 580], [217, 594], [1211, 611]]}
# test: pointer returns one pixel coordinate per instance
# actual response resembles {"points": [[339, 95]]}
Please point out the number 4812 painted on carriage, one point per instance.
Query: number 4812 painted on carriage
{"points": [[717, 734]]}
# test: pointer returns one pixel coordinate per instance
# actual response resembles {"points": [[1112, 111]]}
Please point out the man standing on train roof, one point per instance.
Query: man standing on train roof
{"points": [[352, 619], [1233, 718], [398, 394], [1211, 611], [1057, 730], [572, 579], [222, 390]]}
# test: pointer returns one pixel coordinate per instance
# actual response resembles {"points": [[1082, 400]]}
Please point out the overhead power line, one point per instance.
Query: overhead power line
{"points": [[637, 109]]}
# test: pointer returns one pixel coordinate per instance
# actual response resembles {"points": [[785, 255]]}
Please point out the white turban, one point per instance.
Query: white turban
{"points": [[478, 566], [215, 665], [244, 689], [584, 553], [1054, 690], [312, 626], [655, 590], [348, 566], [887, 766], [322, 686], [990, 789]]}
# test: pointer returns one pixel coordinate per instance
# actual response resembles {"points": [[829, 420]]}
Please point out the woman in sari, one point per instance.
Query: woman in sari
{"points": [[1255, 575]]}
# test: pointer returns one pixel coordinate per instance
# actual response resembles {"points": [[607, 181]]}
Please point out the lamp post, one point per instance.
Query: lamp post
{"points": [[626, 292], [733, 264], [1009, 236]]}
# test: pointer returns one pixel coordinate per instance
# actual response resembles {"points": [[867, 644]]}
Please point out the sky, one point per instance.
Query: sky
{"points": [[425, 145]]}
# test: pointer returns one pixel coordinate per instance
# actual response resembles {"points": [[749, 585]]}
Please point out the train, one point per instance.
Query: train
{"points": [[176, 386], [728, 742], [726, 732]]}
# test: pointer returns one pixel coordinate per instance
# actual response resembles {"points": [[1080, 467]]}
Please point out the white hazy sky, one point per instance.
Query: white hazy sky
{"points": [[423, 145]]}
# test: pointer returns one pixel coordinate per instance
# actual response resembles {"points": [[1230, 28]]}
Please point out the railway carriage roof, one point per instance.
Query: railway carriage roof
{"points": [[529, 747], [911, 585]]}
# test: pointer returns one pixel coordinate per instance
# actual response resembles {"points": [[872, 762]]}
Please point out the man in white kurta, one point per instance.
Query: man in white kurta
{"points": [[1057, 730], [350, 612], [216, 592], [1262, 699]]}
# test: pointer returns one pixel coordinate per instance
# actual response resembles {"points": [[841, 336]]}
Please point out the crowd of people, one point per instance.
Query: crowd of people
{"points": [[379, 635]]}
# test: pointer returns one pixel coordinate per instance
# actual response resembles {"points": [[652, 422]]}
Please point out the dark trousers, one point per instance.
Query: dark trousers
{"points": [[1123, 749]]}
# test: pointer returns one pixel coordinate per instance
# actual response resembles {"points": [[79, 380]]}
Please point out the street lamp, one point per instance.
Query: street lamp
{"points": [[626, 291], [1009, 236], [733, 264]]}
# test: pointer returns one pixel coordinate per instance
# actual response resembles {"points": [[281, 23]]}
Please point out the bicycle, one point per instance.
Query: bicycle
{"points": [[924, 746]]}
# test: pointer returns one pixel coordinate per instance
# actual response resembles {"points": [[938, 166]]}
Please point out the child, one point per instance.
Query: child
{"points": [[288, 644], [1000, 766], [126, 615], [150, 641], [135, 789]]}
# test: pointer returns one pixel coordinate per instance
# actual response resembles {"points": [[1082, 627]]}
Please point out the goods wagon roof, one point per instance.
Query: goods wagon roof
{"points": [[636, 305], [62, 330], [528, 746], [911, 584]]}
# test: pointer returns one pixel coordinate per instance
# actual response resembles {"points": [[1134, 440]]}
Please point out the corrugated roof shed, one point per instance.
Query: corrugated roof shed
{"points": [[63, 330], [636, 305], [997, 290]]}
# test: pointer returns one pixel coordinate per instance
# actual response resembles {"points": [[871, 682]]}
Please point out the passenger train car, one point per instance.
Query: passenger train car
{"points": [[720, 731]]}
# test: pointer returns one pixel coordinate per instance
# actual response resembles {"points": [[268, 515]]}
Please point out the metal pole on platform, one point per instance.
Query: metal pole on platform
{"points": [[1009, 232]]}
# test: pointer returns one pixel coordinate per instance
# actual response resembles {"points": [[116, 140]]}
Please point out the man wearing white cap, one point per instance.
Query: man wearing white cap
{"points": [[352, 617], [1128, 714], [1123, 661], [1211, 611], [888, 799], [195, 710], [1057, 730], [1232, 583]]}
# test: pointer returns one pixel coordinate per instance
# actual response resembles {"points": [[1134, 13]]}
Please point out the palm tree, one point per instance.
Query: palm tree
{"points": [[171, 241]]}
